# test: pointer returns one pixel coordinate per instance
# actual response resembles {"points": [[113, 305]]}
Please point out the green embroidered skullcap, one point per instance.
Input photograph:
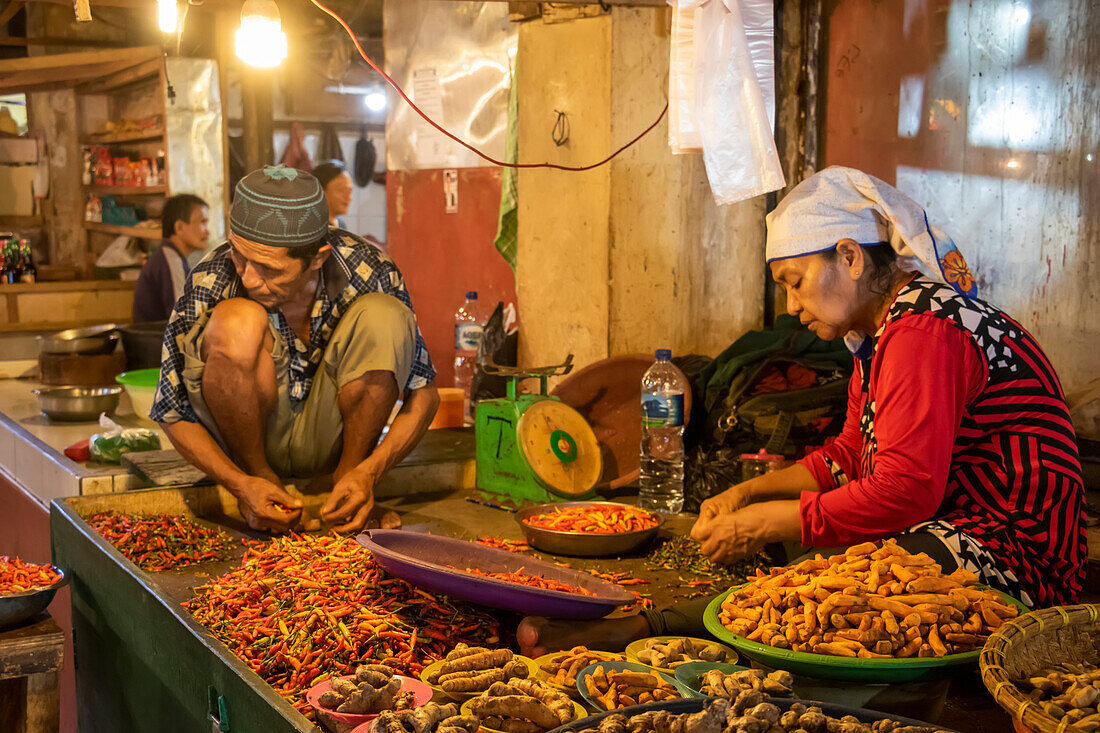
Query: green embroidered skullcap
{"points": [[280, 207]]}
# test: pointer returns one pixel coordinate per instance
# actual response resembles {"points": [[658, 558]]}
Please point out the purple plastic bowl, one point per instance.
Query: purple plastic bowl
{"points": [[423, 560]]}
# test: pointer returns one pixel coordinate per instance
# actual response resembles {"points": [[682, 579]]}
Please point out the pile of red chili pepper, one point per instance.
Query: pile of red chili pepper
{"points": [[597, 519], [534, 581], [17, 576], [300, 608], [156, 542], [499, 543]]}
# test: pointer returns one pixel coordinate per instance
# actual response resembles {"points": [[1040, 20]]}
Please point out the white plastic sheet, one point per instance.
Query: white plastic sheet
{"points": [[722, 92]]}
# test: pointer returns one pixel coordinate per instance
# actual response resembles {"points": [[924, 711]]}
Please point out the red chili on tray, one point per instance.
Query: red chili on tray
{"points": [[534, 581], [300, 609], [17, 576], [157, 542], [597, 519]]}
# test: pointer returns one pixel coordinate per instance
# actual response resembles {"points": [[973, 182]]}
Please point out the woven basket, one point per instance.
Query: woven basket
{"points": [[1031, 643]]}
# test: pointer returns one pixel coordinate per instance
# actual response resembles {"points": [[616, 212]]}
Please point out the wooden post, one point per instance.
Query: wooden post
{"points": [[256, 97]]}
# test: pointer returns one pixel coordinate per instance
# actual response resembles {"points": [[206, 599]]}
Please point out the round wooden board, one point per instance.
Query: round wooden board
{"points": [[565, 478]]}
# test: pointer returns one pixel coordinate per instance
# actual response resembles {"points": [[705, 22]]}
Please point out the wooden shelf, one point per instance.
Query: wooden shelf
{"points": [[108, 138], [116, 229], [122, 190], [21, 222]]}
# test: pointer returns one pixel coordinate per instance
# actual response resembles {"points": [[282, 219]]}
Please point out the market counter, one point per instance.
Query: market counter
{"points": [[165, 668]]}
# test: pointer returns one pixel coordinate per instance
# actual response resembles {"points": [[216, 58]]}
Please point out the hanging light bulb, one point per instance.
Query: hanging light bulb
{"points": [[167, 15], [260, 39]]}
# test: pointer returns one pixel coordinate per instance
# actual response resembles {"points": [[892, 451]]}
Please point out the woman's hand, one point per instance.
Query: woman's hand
{"points": [[731, 536], [730, 500]]}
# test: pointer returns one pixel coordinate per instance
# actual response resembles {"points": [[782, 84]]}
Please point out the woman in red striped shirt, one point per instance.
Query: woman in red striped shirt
{"points": [[957, 437]]}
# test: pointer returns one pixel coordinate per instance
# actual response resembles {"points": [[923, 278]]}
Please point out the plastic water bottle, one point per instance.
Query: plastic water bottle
{"points": [[662, 474], [468, 329]]}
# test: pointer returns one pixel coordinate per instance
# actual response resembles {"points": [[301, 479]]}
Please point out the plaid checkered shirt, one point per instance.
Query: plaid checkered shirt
{"points": [[354, 268]]}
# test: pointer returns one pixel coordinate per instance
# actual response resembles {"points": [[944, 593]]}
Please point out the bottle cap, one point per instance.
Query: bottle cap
{"points": [[472, 295], [664, 354]]}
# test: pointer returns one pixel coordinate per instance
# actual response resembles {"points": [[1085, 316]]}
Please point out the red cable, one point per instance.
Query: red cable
{"points": [[463, 143]]}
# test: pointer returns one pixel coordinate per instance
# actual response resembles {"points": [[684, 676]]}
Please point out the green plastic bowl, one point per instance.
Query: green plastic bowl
{"points": [[146, 378], [846, 669], [690, 675]]}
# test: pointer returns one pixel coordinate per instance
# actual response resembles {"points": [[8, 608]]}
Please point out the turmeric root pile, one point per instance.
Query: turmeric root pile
{"points": [[715, 683], [671, 654], [473, 669], [372, 690], [562, 669], [430, 718], [611, 689], [522, 706], [748, 713], [873, 601], [1070, 692]]}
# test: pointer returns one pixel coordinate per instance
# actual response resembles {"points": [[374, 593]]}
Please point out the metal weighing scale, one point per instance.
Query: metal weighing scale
{"points": [[534, 446]]}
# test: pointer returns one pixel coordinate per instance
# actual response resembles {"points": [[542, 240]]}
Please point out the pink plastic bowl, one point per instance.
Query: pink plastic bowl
{"points": [[421, 694]]}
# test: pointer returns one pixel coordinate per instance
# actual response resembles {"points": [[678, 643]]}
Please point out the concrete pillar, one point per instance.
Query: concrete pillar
{"points": [[633, 255]]}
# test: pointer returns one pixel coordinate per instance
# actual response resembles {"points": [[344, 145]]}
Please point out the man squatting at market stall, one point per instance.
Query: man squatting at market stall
{"points": [[958, 441], [286, 354]]}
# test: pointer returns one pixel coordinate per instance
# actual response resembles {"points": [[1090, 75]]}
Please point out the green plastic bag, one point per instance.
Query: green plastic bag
{"points": [[109, 446]]}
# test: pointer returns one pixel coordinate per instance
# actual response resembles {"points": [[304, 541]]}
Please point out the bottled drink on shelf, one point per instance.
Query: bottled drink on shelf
{"points": [[469, 325], [5, 263], [28, 272], [662, 456]]}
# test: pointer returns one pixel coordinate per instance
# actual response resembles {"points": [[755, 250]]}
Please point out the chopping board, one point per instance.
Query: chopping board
{"points": [[164, 468]]}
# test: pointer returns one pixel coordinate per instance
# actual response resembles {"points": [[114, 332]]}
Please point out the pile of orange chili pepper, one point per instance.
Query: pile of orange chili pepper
{"points": [[303, 608], [17, 576], [534, 581], [597, 519], [156, 542]]}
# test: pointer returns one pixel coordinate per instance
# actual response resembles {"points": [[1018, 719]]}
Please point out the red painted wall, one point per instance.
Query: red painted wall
{"points": [[443, 255]]}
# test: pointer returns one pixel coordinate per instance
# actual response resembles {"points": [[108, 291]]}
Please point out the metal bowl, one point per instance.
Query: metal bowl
{"points": [[77, 404], [92, 340], [582, 544], [18, 607]]}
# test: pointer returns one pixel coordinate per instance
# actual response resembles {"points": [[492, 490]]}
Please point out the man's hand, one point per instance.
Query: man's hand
{"points": [[352, 500], [729, 537], [266, 506]]}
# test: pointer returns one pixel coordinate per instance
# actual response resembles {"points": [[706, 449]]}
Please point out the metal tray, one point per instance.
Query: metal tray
{"points": [[18, 607], [90, 340], [582, 544], [77, 404], [423, 559]]}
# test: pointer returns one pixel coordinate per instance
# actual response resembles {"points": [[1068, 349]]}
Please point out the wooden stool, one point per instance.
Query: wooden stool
{"points": [[30, 658]]}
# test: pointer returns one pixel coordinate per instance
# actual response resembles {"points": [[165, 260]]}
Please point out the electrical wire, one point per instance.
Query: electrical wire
{"points": [[460, 141]]}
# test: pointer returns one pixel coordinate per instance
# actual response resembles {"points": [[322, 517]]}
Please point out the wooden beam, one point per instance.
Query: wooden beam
{"points": [[127, 75], [132, 56], [78, 42], [63, 76], [9, 11], [256, 101]]}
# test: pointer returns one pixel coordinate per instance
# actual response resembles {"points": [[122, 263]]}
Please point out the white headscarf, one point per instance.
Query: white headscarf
{"points": [[845, 203]]}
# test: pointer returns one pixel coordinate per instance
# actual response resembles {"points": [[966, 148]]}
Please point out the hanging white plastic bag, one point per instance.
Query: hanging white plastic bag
{"points": [[730, 113], [683, 133]]}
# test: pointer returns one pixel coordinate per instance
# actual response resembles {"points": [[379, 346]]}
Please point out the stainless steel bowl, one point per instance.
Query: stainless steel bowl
{"points": [[92, 340], [582, 544], [18, 607], [76, 404]]}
